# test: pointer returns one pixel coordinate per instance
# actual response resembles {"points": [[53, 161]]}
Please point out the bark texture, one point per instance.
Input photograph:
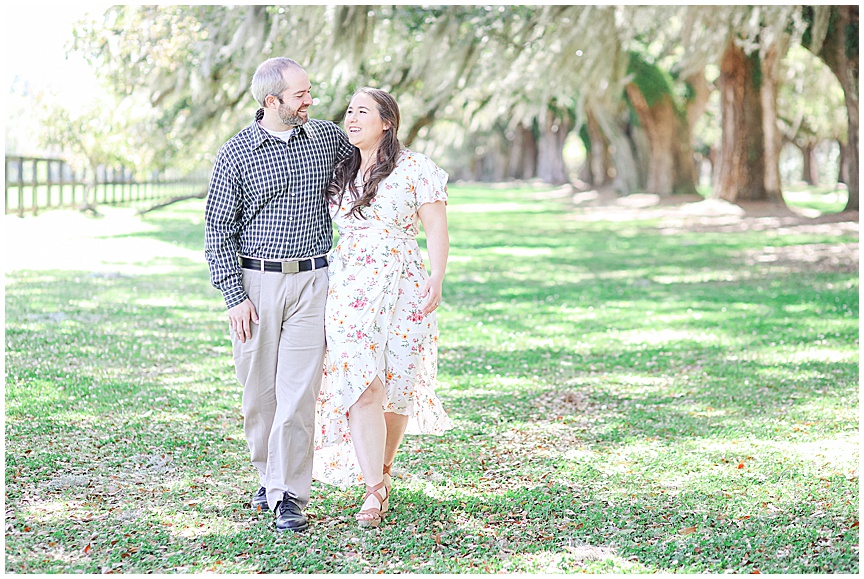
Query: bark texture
{"points": [[522, 154], [809, 166], [550, 149], [670, 168], [839, 50], [741, 168], [773, 137], [623, 172], [600, 160]]}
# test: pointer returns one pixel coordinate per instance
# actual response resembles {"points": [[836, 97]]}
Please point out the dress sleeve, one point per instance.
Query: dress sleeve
{"points": [[431, 185]]}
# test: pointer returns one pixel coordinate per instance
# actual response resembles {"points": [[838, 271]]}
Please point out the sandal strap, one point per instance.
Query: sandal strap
{"points": [[387, 468], [373, 491], [371, 511]]}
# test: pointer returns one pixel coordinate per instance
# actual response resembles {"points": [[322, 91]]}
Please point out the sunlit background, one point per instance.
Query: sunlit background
{"points": [[35, 46]]}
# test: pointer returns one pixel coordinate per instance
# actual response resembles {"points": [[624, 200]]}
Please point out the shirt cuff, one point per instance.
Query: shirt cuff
{"points": [[234, 296]]}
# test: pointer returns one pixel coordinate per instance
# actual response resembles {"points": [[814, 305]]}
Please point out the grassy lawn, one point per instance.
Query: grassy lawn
{"points": [[629, 397]]}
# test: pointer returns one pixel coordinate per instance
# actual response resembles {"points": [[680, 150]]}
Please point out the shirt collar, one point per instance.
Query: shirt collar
{"points": [[259, 135]]}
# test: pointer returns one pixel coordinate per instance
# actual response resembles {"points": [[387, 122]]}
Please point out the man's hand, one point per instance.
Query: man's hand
{"points": [[240, 318]]}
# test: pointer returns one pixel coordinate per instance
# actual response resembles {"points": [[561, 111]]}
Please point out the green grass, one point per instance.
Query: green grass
{"points": [[824, 198], [626, 400]]}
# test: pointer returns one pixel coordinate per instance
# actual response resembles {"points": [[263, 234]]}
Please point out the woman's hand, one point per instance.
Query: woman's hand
{"points": [[434, 219], [432, 292]]}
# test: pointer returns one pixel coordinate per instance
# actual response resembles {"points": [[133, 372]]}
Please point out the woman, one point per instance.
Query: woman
{"points": [[380, 320]]}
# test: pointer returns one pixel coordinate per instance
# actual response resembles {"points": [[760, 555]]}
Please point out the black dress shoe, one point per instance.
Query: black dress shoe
{"points": [[289, 515], [260, 500]]}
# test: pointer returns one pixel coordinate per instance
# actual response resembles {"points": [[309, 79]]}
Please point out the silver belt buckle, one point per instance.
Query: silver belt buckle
{"points": [[290, 266]]}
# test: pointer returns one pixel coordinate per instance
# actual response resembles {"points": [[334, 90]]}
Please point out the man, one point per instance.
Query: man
{"points": [[267, 235]]}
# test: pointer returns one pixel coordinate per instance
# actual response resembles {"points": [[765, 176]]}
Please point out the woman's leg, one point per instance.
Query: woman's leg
{"points": [[396, 424], [369, 432]]}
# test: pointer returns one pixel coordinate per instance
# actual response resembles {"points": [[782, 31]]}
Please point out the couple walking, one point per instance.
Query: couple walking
{"points": [[275, 187]]}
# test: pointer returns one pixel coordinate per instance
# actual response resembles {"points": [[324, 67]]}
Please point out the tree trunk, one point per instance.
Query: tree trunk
{"points": [[712, 164], [741, 166], [600, 158], [522, 156], [490, 160], [843, 168], [640, 145], [701, 94], [550, 149], [839, 50], [624, 172], [811, 164], [852, 168], [773, 138], [809, 167], [89, 202], [671, 169]]}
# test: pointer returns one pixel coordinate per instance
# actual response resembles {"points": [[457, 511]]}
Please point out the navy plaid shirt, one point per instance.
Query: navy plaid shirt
{"points": [[266, 199]]}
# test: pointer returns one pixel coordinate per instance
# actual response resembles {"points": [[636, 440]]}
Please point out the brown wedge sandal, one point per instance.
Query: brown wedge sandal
{"points": [[372, 516]]}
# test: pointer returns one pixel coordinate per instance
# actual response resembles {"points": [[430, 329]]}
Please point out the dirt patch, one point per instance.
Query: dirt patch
{"points": [[814, 257], [688, 214]]}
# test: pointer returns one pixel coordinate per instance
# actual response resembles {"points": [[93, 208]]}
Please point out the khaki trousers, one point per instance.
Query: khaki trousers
{"points": [[280, 369]]}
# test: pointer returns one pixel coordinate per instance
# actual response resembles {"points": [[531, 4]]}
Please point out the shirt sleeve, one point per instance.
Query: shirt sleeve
{"points": [[222, 229], [431, 184], [345, 146]]}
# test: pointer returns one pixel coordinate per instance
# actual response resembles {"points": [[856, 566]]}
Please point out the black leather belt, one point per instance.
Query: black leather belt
{"points": [[283, 266]]}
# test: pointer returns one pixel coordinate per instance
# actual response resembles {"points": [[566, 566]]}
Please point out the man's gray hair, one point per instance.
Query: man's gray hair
{"points": [[268, 79]]}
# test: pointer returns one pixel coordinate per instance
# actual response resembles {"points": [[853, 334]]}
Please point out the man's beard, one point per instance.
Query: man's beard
{"points": [[291, 118]]}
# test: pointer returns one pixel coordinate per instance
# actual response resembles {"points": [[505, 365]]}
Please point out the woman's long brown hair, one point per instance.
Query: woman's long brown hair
{"points": [[345, 173]]}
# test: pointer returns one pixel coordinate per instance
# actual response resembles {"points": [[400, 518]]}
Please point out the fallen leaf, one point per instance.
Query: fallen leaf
{"points": [[687, 530], [744, 517], [740, 465], [87, 549]]}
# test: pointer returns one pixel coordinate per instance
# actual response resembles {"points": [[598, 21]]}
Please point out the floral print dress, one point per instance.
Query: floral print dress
{"points": [[373, 321]]}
